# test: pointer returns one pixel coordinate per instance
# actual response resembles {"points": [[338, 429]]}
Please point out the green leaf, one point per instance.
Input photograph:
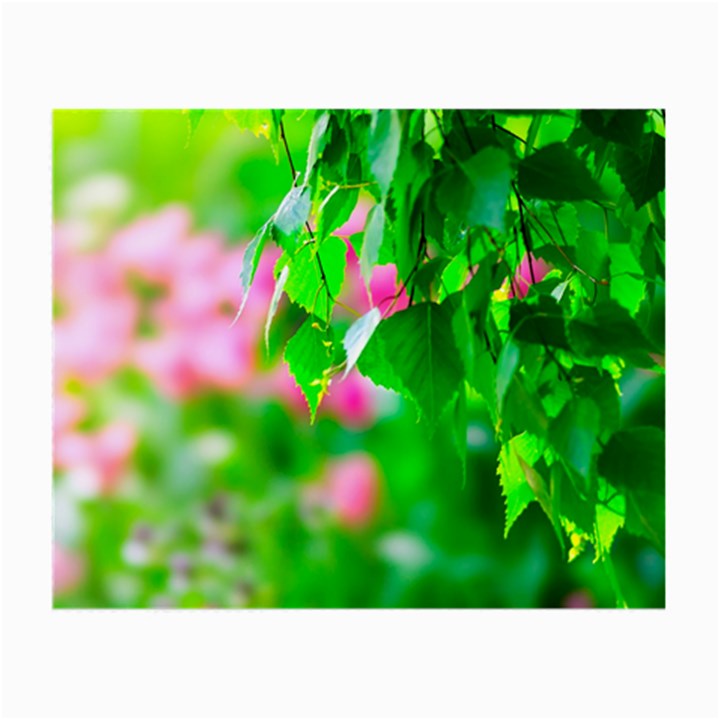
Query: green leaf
{"points": [[413, 171], [555, 173], [515, 470], [484, 381], [490, 174], [592, 253], [421, 348], [358, 336], [599, 386], [384, 146], [251, 258], [194, 118], [274, 302], [372, 241], [645, 516], [259, 122], [608, 329], [607, 522], [620, 126], [428, 274], [508, 362], [309, 358], [318, 138], [523, 409], [304, 283], [572, 506], [374, 364], [293, 211], [635, 458], [539, 320], [574, 433], [335, 210], [642, 170]]}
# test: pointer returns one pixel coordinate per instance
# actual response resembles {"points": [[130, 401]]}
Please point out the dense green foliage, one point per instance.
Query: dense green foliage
{"points": [[461, 200]]}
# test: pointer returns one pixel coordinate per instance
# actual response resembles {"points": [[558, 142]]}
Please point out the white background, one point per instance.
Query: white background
{"points": [[394, 663]]}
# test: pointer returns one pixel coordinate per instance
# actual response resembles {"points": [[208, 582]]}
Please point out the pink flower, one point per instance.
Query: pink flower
{"points": [[581, 598], [186, 359], [223, 357], [94, 339], [524, 275], [352, 400], [148, 246], [80, 278], [68, 410], [352, 489], [166, 361], [67, 570]]}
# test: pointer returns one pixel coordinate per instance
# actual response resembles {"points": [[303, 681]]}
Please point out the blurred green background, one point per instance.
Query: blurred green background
{"points": [[186, 471]]}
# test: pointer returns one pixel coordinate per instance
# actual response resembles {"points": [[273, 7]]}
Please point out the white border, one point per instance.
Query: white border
{"points": [[318, 664]]}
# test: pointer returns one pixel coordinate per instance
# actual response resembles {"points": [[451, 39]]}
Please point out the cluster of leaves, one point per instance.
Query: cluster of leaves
{"points": [[460, 199]]}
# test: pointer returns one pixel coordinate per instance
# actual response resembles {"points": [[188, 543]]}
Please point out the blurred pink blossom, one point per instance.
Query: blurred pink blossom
{"points": [[67, 570], [352, 489], [524, 275]]}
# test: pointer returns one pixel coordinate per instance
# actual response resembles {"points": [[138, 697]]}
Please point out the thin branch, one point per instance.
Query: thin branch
{"points": [[323, 276]]}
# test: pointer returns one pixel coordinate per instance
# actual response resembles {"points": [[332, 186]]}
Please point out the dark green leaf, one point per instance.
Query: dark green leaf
{"points": [[635, 458], [642, 170], [608, 329], [620, 126], [574, 432], [539, 321], [555, 173]]}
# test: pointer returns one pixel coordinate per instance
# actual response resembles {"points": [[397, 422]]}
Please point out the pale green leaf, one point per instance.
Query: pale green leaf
{"points": [[384, 146], [309, 358], [277, 294], [251, 258], [372, 241]]}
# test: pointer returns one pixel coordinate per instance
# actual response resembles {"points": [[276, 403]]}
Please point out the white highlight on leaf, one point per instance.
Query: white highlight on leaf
{"points": [[358, 336]]}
